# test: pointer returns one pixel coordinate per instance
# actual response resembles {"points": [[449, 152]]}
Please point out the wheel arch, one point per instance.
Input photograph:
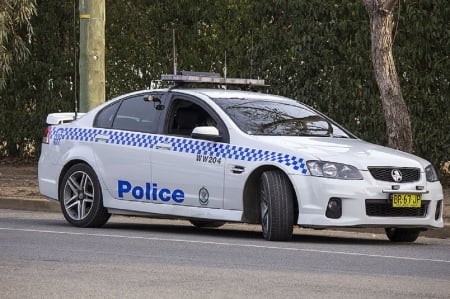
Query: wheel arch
{"points": [[251, 195]]}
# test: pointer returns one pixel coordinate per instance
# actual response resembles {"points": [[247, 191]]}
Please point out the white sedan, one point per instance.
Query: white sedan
{"points": [[213, 156]]}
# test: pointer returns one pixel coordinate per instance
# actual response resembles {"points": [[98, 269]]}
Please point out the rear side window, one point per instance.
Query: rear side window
{"points": [[136, 114], [105, 117]]}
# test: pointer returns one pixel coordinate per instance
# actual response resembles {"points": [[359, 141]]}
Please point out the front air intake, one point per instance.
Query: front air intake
{"points": [[383, 208]]}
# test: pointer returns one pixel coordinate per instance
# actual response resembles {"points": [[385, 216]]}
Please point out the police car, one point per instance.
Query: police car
{"points": [[214, 155]]}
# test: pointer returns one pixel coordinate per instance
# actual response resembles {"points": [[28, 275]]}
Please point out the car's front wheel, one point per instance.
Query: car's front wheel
{"points": [[277, 206], [402, 234], [81, 198]]}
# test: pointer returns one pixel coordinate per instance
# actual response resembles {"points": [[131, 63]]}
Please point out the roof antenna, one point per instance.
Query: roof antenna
{"points": [[225, 66], [225, 69], [75, 88], [174, 52], [251, 57]]}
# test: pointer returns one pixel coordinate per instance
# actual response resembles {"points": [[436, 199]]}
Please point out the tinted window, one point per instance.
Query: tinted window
{"points": [[278, 118], [105, 117], [185, 116], [136, 114]]}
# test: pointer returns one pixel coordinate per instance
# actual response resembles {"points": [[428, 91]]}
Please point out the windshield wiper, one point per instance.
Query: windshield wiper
{"points": [[313, 135]]}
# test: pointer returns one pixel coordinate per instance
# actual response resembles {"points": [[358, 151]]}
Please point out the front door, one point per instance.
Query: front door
{"points": [[187, 166]]}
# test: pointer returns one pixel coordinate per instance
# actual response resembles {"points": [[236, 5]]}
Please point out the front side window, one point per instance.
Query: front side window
{"points": [[185, 116], [278, 118]]}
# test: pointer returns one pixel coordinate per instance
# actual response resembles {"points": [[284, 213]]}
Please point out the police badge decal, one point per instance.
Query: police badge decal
{"points": [[203, 196]]}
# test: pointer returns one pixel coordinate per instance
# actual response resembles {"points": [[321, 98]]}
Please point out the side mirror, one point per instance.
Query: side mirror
{"points": [[207, 133]]}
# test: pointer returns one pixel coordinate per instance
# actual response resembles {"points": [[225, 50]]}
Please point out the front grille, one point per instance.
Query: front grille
{"points": [[383, 208], [384, 174]]}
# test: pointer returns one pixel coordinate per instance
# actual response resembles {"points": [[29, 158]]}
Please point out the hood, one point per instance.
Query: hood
{"points": [[356, 152]]}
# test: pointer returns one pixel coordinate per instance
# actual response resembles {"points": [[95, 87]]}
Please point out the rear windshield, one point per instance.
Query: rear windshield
{"points": [[278, 118]]}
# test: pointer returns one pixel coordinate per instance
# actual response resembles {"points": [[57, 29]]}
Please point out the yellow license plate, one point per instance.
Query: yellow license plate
{"points": [[406, 200]]}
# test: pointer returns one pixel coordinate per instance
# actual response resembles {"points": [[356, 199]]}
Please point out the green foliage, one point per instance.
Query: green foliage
{"points": [[423, 66], [315, 51], [15, 28], [141, 49], [41, 86]]}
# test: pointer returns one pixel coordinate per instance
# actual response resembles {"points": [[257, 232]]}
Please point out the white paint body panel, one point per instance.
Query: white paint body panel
{"points": [[158, 161]]}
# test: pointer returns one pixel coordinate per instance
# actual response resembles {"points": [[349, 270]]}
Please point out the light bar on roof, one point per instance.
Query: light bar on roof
{"points": [[209, 78]]}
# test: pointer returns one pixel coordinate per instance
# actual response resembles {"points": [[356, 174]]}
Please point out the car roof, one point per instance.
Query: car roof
{"points": [[229, 94]]}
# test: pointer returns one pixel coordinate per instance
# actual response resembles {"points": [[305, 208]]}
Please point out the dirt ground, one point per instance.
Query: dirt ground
{"points": [[19, 180]]}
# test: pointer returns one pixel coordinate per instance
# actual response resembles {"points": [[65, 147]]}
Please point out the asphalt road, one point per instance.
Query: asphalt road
{"points": [[41, 256]]}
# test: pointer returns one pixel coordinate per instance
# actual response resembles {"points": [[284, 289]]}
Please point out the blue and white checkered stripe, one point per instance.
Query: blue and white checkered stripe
{"points": [[182, 145]]}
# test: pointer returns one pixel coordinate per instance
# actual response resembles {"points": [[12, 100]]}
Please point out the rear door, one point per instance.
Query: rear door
{"points": [[123, 146]]}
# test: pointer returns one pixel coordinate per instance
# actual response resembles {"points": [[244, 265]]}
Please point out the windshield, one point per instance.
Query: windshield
{"points": [[278, 118]]}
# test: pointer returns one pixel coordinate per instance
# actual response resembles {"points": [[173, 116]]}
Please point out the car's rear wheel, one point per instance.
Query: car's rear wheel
{"points": [[277, 206], [206, 223], [81, 198], [402, 234]]}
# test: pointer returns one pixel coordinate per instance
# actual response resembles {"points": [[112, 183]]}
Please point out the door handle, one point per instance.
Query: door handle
{"points": [[101, 137], [164, 146]]}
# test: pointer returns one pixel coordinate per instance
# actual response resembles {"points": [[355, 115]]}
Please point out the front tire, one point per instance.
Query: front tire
{"points": [[81, 197], [402, 234], [277, 206]]}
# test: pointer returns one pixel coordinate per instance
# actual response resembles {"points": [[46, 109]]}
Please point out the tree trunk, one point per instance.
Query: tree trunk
{"points": [[396, 113], [92, 54]]}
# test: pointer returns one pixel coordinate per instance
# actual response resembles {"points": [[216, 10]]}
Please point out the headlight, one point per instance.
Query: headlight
{"points": [[333, 170], [431, 174]]}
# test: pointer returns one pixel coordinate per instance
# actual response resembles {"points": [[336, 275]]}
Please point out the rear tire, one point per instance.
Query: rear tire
{"points": [[277, 206], [81, 198], [402, 234]]}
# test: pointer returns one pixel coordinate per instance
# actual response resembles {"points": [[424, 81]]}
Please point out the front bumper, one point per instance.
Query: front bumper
{"points": [[364, 204]]}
